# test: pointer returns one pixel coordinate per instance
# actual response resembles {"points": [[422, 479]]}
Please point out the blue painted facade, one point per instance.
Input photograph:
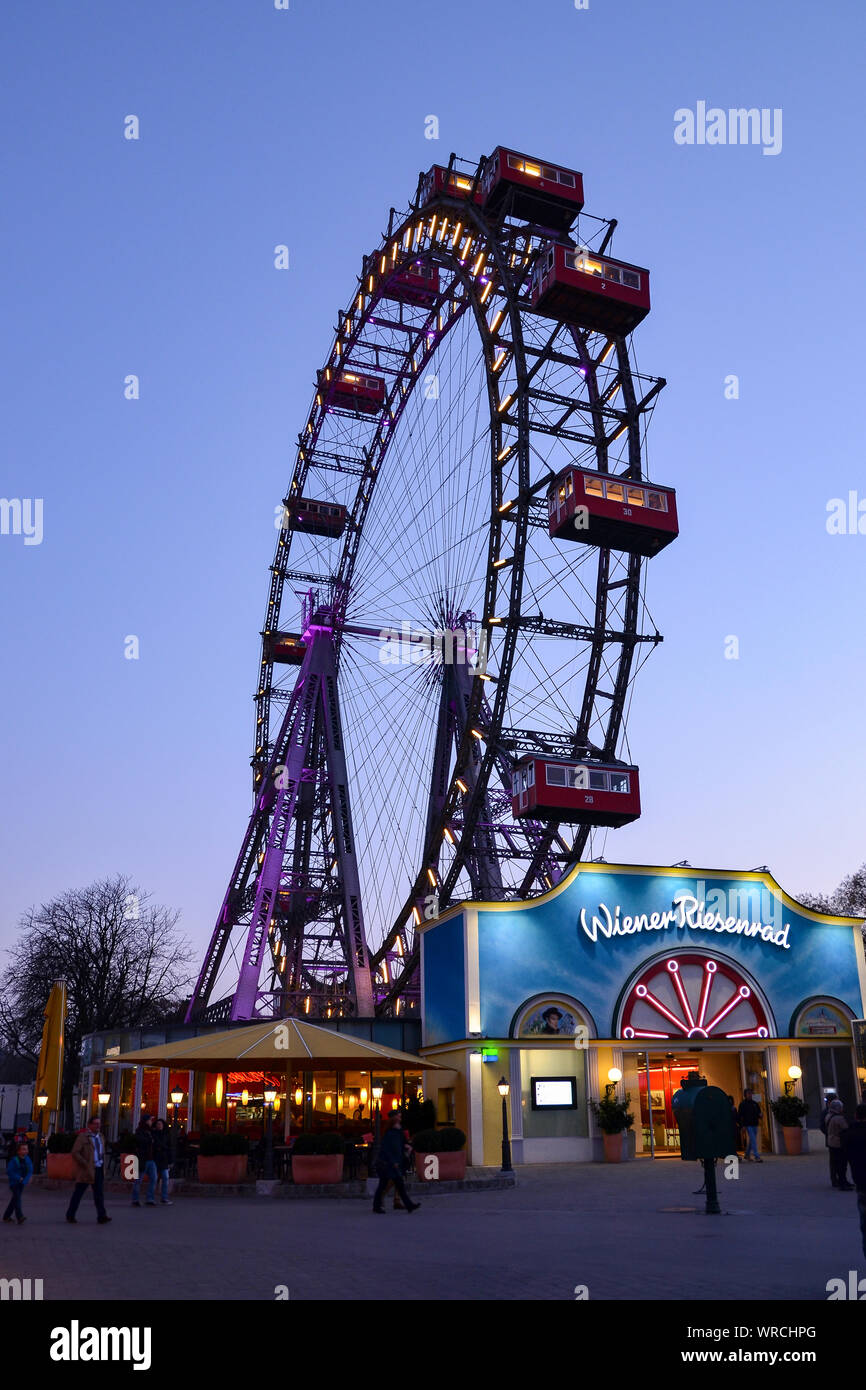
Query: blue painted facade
{"points": [[590, 936]]}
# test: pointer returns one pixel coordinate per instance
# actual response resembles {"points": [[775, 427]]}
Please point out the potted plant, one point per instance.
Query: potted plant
{"points": [[318, 1158], [223, 1158], [614, 1118], [789, 1111], [448, 1146], [59, 1163]]}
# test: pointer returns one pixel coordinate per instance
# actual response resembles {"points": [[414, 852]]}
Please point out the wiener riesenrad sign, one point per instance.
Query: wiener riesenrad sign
{"points": [[688, 913]]}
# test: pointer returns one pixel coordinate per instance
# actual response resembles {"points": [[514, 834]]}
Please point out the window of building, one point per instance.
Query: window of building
{"points": [[615, 492], [598, 781], [555, 775], [619, 781], [593, 487], [636, 497], [631, 278], [657, 501]]}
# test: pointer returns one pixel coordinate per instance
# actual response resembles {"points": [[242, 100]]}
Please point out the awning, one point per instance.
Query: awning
{"points": [[276, 1046]]}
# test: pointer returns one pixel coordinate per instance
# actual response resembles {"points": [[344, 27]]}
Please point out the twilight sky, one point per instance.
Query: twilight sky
{"points": [[261, 126]]}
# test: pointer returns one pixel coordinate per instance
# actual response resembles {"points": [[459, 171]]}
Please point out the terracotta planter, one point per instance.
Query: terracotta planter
{"points": [[228, 1168], [613, 1145], [793, 1137], [317, 1168], [451, 1166], [61, 1166]]}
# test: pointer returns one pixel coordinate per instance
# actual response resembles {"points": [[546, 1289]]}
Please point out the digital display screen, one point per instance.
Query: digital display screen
{"points": [[554, 1093]]}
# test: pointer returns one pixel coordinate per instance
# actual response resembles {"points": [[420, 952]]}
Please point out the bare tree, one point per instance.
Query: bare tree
{"points": [[848, 900], [123, 963]]}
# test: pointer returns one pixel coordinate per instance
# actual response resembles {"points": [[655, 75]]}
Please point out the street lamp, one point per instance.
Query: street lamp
{"points": [[176, 1099], [270, 1095], [503, 1089], [794, 1074], [41, 1101], [377, 1129], [613, 1077]]}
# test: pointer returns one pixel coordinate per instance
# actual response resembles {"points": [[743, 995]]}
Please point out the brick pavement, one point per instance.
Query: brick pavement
{"points": [[786, 1232]]}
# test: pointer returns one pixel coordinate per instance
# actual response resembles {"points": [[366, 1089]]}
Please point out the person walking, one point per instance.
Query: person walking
{"points": [[854, 1148], [19, 1170], [836, 1127], [389, 1165], [146, 1164], [749, 1117], [88, 1155], [162, 1158]]}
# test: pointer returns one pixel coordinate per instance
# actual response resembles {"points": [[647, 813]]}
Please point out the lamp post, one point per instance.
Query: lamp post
{"points": [[176, 1100], [377, 1128], [270, 1095], [794, 1074], [503, 1089], [41, 1101], [614, 1076], [103, 1097]]}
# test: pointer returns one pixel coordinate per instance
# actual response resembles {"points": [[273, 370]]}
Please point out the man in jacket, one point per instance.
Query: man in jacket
{"points": [[836, 1127], [854, 1148], [19, 1170], [88, 1155], [749, 1116], [389, 1166]]}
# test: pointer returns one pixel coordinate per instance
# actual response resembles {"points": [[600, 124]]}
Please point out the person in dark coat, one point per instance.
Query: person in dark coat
{"points": [[749, 1116], [854, 1148], [837, 1127], [162, 1158], [19, 1170], [389, 1165], [146, 1165]]}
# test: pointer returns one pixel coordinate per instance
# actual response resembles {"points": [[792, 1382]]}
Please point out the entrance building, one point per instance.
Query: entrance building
{"points": [[641, 974]]}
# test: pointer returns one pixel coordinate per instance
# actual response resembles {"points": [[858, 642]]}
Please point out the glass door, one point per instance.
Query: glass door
{"points": [[659, 1076]]}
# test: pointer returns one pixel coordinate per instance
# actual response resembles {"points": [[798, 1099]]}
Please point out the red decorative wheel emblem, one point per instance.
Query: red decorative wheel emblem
{"points": [[692, 996]]}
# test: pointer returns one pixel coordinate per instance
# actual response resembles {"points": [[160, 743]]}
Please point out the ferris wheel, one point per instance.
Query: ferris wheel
{"points": [[456, 609]]}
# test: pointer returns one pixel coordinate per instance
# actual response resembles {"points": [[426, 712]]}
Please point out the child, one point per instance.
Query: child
{"points": [[19, 1170]]}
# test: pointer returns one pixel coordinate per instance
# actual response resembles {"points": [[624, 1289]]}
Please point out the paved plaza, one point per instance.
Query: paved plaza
{"points": [[786, 1232]]}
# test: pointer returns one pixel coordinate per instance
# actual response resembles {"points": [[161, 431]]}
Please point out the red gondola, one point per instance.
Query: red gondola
{"points": [[440, 180], [579, 793], [287, 649], [539, 192], [316, 518], [417, 285], [639, 518], [593, 291], [354, 390]]}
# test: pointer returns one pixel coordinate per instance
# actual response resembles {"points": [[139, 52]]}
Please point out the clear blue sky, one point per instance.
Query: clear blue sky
{"points": [[155, 257]]}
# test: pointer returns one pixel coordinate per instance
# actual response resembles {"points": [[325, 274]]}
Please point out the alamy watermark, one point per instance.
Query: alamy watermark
{"points": [[408, 645], [737, 126], [22, 516]]}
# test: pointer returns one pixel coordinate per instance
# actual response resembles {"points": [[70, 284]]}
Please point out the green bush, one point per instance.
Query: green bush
{"points": [[789, 1111], [60, 1143], [220, 1145], [613, 1115], [328, 1142], [439, 1141]]}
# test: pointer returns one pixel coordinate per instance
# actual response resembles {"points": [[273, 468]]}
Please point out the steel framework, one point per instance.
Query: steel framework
{"points": [[548, 394]]}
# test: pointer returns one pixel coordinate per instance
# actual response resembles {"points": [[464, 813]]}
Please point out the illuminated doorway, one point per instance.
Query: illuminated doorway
{"points": [[659, 1075]]}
